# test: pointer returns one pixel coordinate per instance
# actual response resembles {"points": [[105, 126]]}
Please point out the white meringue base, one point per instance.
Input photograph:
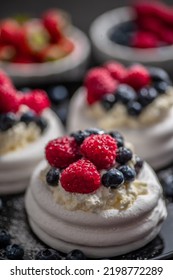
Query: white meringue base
{"points": [[105, 234], [153, 143], [16, 167]]}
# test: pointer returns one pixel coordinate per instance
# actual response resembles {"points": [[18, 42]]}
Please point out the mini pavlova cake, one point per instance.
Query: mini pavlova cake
{"points": [[136, 100], [94, 194], [26, 124]]}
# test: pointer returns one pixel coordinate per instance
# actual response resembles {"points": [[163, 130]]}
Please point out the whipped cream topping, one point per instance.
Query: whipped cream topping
{"points": [[17, 137], [118, 115]]}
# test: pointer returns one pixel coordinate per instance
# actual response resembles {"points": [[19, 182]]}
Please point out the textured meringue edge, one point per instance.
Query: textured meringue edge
{"points": [[21, 163], [157, 145], [104, 234]]}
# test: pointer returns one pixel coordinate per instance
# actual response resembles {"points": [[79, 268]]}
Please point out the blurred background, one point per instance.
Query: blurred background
{"points": [[82, 12]]}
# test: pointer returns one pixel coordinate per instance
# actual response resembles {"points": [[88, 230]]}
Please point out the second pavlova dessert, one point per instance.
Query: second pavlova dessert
{"points": [[26, 124], [137, 101], [93, 193]]}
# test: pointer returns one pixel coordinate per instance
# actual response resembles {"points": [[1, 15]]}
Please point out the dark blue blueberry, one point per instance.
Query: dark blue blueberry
{"points": [[1, 204], [48, 254], [123, 155], [52, 176], [58, 94], [161, 86], [128, 172], [158, 74], [134, 108], [119, 138], [121, 34], [4, 238], [125, 94], [94, 130], [28, 117], [147, 95], [79, 136], [108, 101], [139, 164], [113, 178], [75, 255], [7, 121], [14, 252], [42, 123]]}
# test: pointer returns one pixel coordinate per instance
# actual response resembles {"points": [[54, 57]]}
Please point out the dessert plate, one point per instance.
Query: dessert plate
{"points": [[66, 69], [105, 49]]}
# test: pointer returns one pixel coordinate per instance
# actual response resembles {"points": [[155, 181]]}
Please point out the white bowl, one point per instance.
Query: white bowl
{"points": [[71, 67], [105, 49]]}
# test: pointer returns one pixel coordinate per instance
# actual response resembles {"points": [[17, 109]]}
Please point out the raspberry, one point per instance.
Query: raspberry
{"points": [[62, 151], [137, 77], [5, 80], [80, 177], [100, 149], [144, 40], [117, 70], [9, 99], [98, 82], [37, 100], [166, 35]]}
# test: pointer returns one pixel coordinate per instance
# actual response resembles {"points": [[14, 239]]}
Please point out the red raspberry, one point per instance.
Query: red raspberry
{"points": [[98, 82], [62, 151], [54, 23], [166, 35], [144, 40], [146, 8], [37, 100], [100, 149], [137, 77], [9, 99], [81, 177], [5, 80], [149, 24], [117, 70]]}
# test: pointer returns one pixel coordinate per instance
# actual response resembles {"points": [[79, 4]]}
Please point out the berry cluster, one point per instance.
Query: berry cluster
{"points": [[11, 99], [152, 28], [76, 161], [24, 40], [134, 87]]}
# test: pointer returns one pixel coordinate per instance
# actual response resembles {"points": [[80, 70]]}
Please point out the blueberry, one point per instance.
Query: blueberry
{"points": [[113, 178], [139, 164], [94, 130], [168, 185], [52, 176], [123, 155], [128, 172], [158, 74], [125, 94], [108, 101], [134, 108], [42, 123], [58, 94], [79, 136], [161, 86], [147, 95], [119, 138], [75, 255], [4, 239], [28, 117], [7, 121], [48, 254], [14, 252], [118, 36]]}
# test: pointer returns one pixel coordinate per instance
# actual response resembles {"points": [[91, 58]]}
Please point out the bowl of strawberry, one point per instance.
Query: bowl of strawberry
{"points": [[46, 47], [142, 33]]}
